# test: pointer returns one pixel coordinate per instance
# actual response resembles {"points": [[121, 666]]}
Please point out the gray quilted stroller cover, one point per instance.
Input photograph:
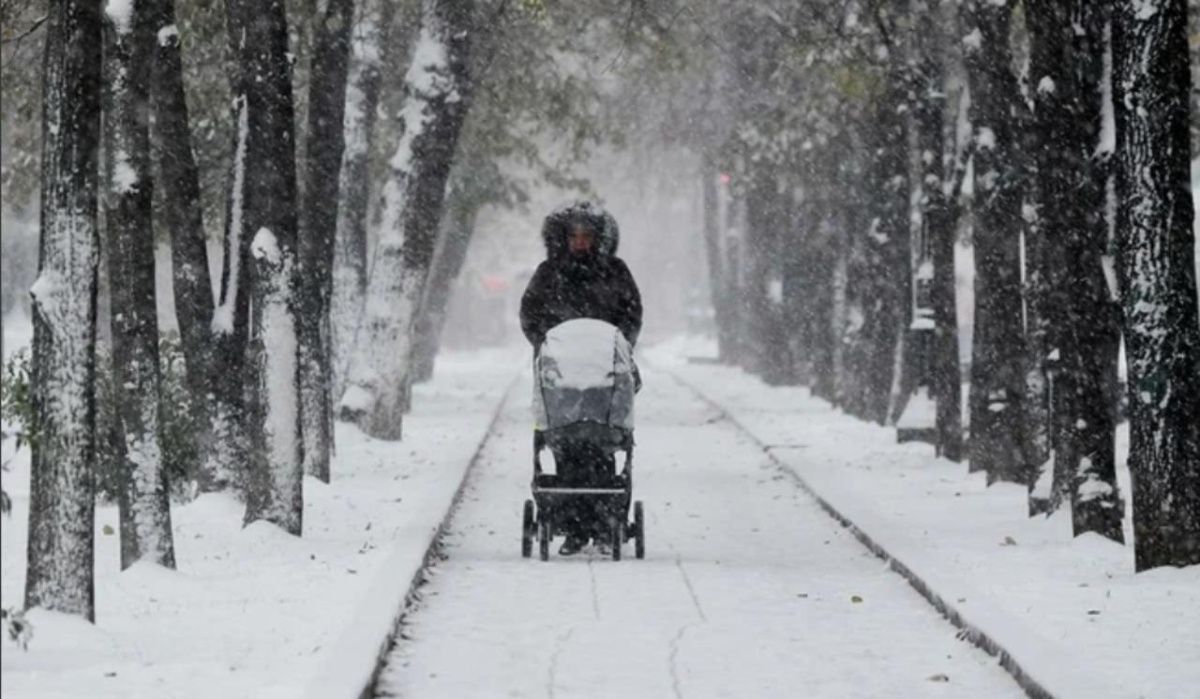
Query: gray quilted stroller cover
{"points": [[583, 372]]}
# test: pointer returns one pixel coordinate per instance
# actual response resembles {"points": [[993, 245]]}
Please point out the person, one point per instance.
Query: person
{"points": [[581, 277]]}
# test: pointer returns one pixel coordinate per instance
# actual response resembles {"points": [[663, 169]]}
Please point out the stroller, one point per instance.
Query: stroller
{"points": [[584, 383]]}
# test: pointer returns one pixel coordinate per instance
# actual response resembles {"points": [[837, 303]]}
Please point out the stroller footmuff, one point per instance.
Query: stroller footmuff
{"points": [[584, 384]]}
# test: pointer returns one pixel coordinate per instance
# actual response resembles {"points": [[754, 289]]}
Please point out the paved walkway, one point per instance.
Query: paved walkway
{"points": [[748, 589]]}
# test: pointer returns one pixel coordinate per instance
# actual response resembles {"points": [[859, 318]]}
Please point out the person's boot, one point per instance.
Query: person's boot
{"points": [[573, 545], [602, 545]]}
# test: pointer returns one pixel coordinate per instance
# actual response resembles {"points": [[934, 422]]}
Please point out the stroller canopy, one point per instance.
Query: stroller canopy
{"points": [[584, 372]]}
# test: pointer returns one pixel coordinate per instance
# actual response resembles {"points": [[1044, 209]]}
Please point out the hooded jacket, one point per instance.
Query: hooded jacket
{"points": [[596, 285]]}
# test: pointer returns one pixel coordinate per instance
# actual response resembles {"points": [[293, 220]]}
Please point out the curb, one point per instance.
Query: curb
{"points": [[967, 630], [363, 686]]}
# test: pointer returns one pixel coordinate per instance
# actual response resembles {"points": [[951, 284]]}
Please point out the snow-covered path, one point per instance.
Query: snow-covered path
{"points": [[748, 589]]}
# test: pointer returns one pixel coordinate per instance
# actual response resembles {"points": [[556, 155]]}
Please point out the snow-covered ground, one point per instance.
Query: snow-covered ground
{"points": [[1071, 611], [253, 612], [748, 589]]}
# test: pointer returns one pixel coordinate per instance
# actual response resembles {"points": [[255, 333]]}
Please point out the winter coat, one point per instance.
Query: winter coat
{"points": [[597, 285]]}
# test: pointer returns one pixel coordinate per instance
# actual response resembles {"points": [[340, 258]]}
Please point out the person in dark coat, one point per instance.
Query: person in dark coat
{"points": [[581, 277]]}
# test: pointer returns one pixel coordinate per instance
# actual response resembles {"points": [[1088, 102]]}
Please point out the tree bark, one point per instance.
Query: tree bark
{"points": [[997, 398], [369, 37], [179, 178], [60, 554], [325, 146], [437, 98], [1155, 267], [1068, 66], [267, 197], [231, 317], [145, 508]]}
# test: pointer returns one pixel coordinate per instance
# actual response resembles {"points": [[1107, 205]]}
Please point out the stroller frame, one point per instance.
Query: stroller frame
{"points": [[543, 514]]}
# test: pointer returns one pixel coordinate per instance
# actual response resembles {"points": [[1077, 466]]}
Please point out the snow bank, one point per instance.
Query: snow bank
{"points": [[1065, 615], [253, 612]]}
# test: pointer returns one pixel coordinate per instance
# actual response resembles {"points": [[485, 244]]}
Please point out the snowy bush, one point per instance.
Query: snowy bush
{"points": [[17, 626], [16, 410]]}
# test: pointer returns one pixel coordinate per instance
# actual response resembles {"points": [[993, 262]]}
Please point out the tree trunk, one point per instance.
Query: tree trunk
{"points": [[1155, 266], [997, 399], [145, 508], [884, 286], [350, 246], [326, 139], [180, 180], [938, 220], [63, 450], [275, 472], [760, 222], [448, 260], [437, 98], [712, 249], [1068, 65], [231, 317]]}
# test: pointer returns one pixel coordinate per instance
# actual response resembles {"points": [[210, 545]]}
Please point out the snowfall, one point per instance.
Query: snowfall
{"points": [[791, 551]]}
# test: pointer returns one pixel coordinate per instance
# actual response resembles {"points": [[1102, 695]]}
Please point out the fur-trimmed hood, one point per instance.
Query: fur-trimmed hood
{"points": [[556, 225]]}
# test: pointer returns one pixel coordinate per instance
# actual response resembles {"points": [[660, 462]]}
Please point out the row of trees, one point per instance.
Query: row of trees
{"points": [[426, 107], [864, 138]]}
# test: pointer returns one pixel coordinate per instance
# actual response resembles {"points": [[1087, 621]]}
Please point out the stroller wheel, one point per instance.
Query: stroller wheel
{"points": [[528, 530], [639, 530], [544, 538], [618, 538]]}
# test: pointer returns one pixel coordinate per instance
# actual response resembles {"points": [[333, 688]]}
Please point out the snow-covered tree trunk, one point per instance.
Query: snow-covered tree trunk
{"points": [[997, 399], [370, 35], [1081, 320], [324, 146], [63, 449], [1157, 276], [145, 508], [274, 487], [436, 102], [179, 178], [274, 476], [226, 459], [938, 220]]}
